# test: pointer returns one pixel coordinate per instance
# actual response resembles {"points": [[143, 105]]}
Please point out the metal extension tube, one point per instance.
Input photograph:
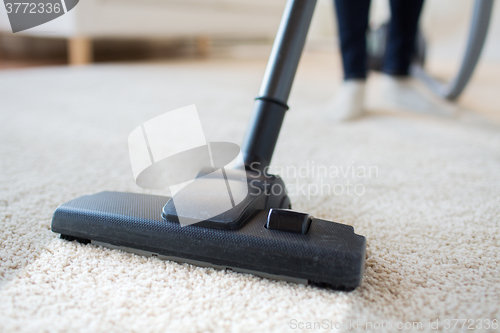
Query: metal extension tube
{"points": [[271, 104]]}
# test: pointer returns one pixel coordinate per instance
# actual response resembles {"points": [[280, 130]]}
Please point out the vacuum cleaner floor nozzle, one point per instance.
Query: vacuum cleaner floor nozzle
{"points": [[307, 250]]}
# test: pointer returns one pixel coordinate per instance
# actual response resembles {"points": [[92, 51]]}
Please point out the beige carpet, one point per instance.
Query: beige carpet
{"points": [[430, 212]]}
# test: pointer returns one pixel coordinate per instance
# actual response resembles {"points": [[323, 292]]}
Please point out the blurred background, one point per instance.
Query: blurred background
{"points": [[123, 30], [104, 31]]}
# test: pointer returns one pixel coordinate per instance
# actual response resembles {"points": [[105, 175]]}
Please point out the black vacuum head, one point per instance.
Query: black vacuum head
{"points": [[272, 243], [254, 234]]}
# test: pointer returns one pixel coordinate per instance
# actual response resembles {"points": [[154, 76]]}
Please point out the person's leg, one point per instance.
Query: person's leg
{"points": [[397, 90], [402, 36], [352, 18]]}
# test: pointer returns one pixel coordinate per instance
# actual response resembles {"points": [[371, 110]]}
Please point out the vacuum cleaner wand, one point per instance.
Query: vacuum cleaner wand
{"points": [[259, 234], [271, 104]]}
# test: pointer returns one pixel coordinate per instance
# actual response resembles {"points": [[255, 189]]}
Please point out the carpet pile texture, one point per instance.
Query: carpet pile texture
{"points": [[428, 204]]}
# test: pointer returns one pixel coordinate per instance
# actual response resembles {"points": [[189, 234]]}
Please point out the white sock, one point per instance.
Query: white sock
{"points": [[408, 94], [349, 101]]}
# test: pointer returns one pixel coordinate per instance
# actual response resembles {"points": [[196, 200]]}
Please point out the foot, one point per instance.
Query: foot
{"points": [[349, 101], [407, 94]]}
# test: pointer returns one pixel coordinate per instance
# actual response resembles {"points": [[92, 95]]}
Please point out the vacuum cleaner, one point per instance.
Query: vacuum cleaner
{"points": [[260, 235]]}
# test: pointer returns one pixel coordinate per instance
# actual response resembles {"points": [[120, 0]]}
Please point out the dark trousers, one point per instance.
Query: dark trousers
{"points": [[352, 17]]}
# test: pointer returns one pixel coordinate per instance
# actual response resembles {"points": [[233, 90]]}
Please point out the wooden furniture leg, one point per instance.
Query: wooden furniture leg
{"points": [[79, 51], [203, 46]]}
